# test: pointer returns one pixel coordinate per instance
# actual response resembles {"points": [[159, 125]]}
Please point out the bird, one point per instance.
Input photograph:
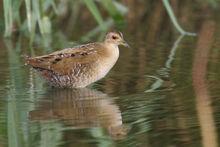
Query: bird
{"points": [[79, 66]]}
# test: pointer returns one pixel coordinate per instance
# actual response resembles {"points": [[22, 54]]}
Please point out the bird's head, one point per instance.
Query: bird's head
{"points": [[116, 38]]}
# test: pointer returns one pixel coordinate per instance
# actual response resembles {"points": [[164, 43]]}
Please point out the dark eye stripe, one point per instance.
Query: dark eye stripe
{"points": [[120, 34]]}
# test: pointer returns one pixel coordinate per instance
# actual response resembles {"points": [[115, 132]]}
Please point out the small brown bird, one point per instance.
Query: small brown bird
{"points": [[81, 65]]}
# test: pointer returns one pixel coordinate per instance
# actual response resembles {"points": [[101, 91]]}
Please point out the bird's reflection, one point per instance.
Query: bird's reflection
{"points": [[81, 108]]}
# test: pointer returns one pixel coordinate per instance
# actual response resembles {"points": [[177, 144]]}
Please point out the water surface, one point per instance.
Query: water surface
{"points": [[164, 91]]}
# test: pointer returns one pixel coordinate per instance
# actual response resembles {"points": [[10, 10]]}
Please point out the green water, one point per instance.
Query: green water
{"points": [[163, 92]]}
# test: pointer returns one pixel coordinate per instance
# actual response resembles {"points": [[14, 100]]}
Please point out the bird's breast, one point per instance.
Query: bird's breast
{"points": [[107, 62]]}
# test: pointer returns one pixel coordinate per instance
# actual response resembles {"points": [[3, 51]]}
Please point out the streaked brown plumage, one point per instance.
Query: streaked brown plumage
{"points": [[79, 66]]}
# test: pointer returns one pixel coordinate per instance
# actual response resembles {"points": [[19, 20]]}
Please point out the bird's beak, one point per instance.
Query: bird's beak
{"points": [[124, 43]]}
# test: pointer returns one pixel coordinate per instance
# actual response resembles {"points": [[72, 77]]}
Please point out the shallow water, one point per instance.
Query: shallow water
{"points": [[164, 91]]}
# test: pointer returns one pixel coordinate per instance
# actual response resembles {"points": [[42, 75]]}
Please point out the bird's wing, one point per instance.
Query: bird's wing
{"points": [[63, 62]]}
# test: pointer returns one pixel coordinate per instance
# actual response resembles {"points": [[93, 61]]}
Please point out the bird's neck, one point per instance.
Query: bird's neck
{"points": [[112, 50]]}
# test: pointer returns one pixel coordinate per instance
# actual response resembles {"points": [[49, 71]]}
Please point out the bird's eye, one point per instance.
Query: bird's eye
{"points": [[114, 37]]}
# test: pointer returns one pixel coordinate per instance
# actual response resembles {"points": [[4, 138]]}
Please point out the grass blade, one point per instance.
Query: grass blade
{"points": [[7, 4], [95, 12], [113, 11], [43, 22], [29, 15], [174, 20]]}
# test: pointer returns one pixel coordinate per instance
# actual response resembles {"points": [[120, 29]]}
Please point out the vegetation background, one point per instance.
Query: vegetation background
{"points": [[166, 88]]}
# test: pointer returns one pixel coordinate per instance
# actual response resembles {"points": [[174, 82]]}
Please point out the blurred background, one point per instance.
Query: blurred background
{"points": [[164, 91]]}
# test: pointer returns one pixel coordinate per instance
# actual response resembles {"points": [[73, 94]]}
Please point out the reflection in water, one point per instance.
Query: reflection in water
{"points": [[81, 108], [203, 100], [179, 117], [165, 70]]}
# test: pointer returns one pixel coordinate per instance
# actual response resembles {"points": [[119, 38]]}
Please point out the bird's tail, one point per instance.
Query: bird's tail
{"points": [[30, 61], [35, 62], [26, 59]]}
